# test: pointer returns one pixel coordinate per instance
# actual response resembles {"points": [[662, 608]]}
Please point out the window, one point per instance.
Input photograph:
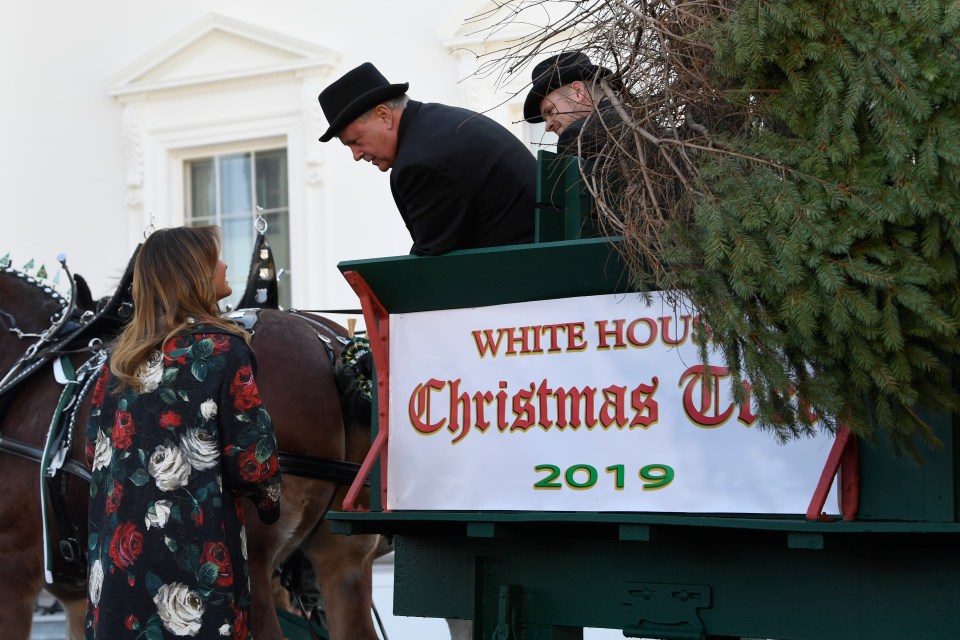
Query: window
{"points": [[226, 190]]}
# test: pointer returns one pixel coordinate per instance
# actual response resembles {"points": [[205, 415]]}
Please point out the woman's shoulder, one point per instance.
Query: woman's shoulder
{"points": [[219, 338], [203, 330]]}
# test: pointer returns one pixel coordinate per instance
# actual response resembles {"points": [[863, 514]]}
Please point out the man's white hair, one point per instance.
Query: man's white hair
{"points": [[400, 102]]}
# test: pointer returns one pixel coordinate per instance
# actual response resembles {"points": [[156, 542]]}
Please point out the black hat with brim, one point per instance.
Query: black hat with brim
{"points": [[355, 93], [553, 73]]}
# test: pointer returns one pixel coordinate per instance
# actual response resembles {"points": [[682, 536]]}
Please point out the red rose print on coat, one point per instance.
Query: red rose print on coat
{"points": [[244, 390], [123, 430], [115, 497], [170, 420], [221, 342], [174, 344], [100, 388], [216, 552], [239, 623], [251, 469], [126, 545]]}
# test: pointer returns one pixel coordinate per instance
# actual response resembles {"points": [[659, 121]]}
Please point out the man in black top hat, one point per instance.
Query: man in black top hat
{"points": [[460, 180], [566, 94]]}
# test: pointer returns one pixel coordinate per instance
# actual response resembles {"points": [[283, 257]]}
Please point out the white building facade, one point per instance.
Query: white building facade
{"points": [[120, 114]]}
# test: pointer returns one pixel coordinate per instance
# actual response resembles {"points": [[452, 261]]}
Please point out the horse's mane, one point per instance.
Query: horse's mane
{"points": [[39, 285], [109, 313]]}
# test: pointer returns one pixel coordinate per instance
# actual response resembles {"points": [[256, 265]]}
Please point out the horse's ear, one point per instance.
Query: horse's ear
{"points": [[260, 291], [84, 297]]}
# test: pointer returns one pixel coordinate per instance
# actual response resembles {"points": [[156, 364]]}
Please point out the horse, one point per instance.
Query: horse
{"points": [[295, 353]]}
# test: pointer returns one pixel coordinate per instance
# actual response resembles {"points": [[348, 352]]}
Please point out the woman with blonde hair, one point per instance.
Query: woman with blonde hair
{"points": [[177, 434]]}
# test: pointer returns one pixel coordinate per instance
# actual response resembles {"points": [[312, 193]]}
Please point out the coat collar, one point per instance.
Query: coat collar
{"points": [[409, 113]]}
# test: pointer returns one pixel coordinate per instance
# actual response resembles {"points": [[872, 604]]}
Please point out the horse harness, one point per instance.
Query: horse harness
{"points": [[338, 471], [55, 345]]}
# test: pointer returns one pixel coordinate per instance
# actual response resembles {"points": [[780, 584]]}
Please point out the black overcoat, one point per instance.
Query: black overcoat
{"points": [[461, 180], [587, 137]]}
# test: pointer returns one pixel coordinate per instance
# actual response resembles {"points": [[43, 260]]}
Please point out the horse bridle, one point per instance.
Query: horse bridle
{"points": [[50, 335]]}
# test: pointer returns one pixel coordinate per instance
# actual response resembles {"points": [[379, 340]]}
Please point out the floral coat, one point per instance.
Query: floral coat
{"points": [[167, 543]]}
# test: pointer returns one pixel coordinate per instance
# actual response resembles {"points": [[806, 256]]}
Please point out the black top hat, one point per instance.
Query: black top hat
{"points": [[355, 93], [553, 73]]}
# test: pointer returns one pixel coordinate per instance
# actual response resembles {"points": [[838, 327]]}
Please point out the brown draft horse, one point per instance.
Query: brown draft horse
{"points": [[298, 387]]}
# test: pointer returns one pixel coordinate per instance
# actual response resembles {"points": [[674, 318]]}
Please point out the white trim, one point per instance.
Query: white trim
{"points": [[307, 56], [261, 73], [175, 146]]}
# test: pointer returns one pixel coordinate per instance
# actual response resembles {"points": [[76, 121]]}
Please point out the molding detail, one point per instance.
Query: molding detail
{"points": [[214, 51], [131, 129], [314, 125]]}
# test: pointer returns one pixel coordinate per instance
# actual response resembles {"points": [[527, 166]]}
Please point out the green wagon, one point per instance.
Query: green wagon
{"points": [[883, 564]]}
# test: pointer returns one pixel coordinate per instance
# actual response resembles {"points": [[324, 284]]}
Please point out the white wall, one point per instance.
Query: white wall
{"points": [[63, 183]]}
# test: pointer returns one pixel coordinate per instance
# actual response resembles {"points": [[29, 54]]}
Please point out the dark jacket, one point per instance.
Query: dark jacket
{"points": [[461, 181], [587, 137]]}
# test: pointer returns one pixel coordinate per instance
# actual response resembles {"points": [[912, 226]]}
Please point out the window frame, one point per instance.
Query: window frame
{"points": [[248, 149]]}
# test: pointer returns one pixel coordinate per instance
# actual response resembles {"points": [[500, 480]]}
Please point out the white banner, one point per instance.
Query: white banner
{"points": [[579, 404]]}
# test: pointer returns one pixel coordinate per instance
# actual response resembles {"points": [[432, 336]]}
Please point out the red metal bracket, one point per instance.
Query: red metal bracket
{"points": [[378, 332], [843, 459]]}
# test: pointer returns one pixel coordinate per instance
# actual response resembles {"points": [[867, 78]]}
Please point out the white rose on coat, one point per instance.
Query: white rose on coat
{"points": [[158, 513], [169, 467], [150, 372], [208, 409], [95, 585], [180, 609], [103, 451], [273, 492], [201, 449]]}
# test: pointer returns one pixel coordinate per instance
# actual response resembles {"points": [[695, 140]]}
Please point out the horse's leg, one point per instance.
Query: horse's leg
{"points": [[19, 587], [344, 567], [265, 623], [297, 386], [76, 610], [302, 505], [21, 553], [344, 564]]}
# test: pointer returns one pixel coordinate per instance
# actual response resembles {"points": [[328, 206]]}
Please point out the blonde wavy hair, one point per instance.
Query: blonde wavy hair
{"points": [[173, 287]]}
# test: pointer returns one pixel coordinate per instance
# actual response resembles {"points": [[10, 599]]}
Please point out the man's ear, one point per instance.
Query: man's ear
{"points": [[385, 114], [580, 89]]}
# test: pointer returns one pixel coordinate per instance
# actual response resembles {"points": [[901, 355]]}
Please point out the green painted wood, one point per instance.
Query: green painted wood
{"points": [[533, 523], [495, 275], [900, 488], [564, 206], [707, 581]]}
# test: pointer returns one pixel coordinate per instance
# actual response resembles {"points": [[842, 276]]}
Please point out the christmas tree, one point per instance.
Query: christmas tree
{"points": [[793, 167]]}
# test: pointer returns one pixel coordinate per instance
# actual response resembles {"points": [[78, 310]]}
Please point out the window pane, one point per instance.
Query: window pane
{"points": [[201, 203], [235, 187], [236, 252], [271, 172]]}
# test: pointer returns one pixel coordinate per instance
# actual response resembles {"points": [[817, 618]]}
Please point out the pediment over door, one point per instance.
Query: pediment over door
{"points": [[218, 83], [217, 50]]}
